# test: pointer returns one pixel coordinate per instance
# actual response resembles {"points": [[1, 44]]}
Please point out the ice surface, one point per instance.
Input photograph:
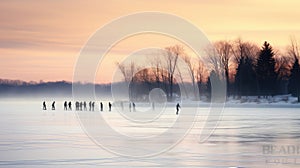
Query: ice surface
{"points": [[31, 137]]}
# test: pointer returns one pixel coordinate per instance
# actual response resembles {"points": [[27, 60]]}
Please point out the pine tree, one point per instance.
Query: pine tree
{"points": [[265, 70], [294, 82], [245, 79]]}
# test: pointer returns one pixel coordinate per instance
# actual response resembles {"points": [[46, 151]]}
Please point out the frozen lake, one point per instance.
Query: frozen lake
{"points": [[244, 137]]}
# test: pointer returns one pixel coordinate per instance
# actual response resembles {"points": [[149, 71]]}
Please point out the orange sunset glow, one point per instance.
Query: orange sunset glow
{"points": [[41, 40]]}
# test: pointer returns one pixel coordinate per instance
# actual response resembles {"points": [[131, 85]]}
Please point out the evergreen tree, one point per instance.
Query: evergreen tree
{"points": [[245, 79], [265, 70], [294, 82]]}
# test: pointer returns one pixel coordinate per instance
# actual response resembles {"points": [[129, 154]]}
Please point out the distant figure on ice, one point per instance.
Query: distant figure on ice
{"points": [[90, 106], [80, 106], [153, 106], [53, 105], [101, 106], [129, 106], [177, 108], [77, 106], [65, 105], [84, 106], [122, 106], [133, 106], [70, 106], [44, 106], [93, 106], [109, 106]]}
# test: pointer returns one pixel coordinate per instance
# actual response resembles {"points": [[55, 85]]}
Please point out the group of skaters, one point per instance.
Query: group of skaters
{"points": [[79, 106], [82, 106]]}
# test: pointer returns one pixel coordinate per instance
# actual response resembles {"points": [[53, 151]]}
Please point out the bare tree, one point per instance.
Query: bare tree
{"points": [[283, 66], [244, 49], [201, 72], [127, 70], [293, 48], [132, 70], [224, 50], [122, 68], [172, 55], [213, 60], [182, 82], [201, 75], [156, 63], [191, 65]]}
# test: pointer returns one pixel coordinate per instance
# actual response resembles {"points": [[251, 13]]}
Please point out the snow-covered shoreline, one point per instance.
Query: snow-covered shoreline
{"points": [[279, 101]]}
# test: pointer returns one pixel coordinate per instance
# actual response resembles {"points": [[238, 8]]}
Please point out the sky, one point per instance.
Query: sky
{"points": [[41, 40]]}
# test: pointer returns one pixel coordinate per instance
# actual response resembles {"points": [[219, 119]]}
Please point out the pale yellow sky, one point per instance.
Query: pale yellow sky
{"points": [[40, 40]]}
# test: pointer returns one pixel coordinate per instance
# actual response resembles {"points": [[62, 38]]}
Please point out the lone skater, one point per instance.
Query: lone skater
{"points": [[109, 106], [53, 105], [65, 105], [101, 106], [129, 106], [133, 106], [177, 108], [44, 106]]}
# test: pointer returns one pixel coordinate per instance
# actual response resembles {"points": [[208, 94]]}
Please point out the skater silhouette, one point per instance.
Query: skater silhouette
{"points": [[101, 106], [77, 106], [109, 106], [122, 106], [65, 105], [93, 106], [70, 106], [133, 106], [53, 105], [44, 106], [80, 106], [129, 107], [84, 106], [153, 106], [90, 106], [177, 108]]}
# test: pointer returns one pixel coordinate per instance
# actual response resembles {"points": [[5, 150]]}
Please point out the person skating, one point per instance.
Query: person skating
{"points": [[177, 108], [53, 105], [84, 106], [80, 106], [44, 106], [90, 106], [70, 106], [77, 105], [101, 106], [93, 106], [133, 106], [65, 105], [109, 106]]}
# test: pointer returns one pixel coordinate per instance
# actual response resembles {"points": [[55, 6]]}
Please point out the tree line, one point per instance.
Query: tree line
{"points": [[246, 68]]}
